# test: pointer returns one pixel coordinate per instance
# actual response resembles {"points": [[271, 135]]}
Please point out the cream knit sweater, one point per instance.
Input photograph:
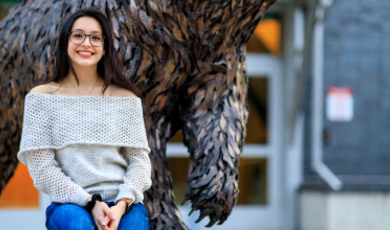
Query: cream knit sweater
{"points": [[75, 146]]}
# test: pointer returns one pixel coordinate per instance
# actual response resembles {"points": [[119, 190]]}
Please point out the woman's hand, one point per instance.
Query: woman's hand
{"points": [[118, 211], [102, 215]]}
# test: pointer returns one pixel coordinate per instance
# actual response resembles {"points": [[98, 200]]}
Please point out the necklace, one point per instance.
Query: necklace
{"points": [[80, 91]]}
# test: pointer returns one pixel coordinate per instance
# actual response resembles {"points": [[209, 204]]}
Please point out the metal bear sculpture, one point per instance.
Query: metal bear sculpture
{"points": [[188, 60]]}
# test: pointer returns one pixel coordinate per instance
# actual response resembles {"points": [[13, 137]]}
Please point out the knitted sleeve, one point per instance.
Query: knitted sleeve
{"points": [[49, 178], [138, 176]]}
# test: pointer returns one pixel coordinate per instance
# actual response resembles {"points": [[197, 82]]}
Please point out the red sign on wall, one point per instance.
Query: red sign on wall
{"points": [[339, 104]]}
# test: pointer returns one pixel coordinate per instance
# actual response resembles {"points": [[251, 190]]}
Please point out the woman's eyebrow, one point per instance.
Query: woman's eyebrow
{"points": [[95, 31]]}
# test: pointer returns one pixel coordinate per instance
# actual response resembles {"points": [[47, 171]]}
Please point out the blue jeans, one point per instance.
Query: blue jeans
{"points": [[73, 217]]}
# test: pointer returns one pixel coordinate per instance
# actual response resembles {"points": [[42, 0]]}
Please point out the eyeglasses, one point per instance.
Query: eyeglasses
{"points": [[78, 37]]}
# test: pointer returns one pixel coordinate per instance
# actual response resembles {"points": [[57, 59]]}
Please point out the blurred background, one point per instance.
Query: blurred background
{"points": [[317, 152]]}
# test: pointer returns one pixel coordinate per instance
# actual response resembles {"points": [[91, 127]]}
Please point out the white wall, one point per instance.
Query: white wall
{"points": [[25, 219], [344, 210]]}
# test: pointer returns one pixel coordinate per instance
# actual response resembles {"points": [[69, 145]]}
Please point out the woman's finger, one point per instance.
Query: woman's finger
{"points": [[109, 214], [107, 221], [113, 225], [98, 225], [103, 223]]}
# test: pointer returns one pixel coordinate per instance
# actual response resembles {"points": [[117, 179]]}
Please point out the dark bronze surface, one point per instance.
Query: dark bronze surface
{"points": [[188, 60]]}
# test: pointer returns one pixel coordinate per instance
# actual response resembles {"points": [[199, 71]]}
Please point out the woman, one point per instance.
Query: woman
{"points": [[84, 138]]}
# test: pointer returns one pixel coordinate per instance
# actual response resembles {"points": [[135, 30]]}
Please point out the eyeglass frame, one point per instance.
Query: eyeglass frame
{"points": [[85, 36]]}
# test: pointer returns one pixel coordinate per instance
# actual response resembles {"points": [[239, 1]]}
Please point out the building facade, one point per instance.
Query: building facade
{"points": [[354, 151]]}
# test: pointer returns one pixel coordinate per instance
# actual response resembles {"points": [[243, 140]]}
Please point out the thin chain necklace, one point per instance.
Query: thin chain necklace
{"points": [[80, 91]]}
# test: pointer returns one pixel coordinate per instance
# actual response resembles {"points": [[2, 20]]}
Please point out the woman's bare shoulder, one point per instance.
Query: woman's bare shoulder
{"points": [[122, 92], [48, 88], [43, 89]]}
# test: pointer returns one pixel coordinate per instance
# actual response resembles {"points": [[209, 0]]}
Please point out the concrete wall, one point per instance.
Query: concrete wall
{"points": [[344, 211]]}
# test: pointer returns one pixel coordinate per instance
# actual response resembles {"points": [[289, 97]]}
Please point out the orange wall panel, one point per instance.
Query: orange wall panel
{"points": [[269, 31], [20, 191]]}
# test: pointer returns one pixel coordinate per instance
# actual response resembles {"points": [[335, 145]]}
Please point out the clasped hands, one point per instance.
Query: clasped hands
{"points": [[108, 218]]}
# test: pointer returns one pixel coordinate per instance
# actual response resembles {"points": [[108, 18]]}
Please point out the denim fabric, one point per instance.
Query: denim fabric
{"points": [[73, 217]]}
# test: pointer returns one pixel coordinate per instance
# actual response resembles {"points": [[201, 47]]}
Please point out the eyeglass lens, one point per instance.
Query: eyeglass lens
{"points": [[79, 37]]}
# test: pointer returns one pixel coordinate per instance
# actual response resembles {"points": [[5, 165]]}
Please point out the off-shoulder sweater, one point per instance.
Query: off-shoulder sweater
{"points": [[75, 146]]}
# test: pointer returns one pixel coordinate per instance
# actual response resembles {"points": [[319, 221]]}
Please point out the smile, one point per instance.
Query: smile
{"points": [[85, 53]]}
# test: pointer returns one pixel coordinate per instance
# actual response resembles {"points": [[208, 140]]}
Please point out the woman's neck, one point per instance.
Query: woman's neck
{"points": [[88, 76]]}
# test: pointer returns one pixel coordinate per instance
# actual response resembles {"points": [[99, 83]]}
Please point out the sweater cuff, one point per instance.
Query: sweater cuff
{"points": [[79, 197], [127, 192]]}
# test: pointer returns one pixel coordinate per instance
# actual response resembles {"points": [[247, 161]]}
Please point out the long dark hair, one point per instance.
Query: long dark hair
{"points": [[108, 67]]}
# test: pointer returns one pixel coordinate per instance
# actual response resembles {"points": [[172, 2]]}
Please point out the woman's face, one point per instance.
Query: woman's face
{"points": [[85, 54]]}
